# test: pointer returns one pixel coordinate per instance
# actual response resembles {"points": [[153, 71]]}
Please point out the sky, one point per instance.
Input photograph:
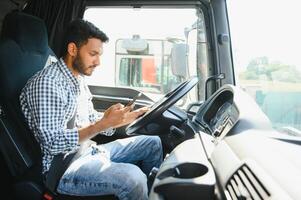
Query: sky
{"points": [[269, 28]]}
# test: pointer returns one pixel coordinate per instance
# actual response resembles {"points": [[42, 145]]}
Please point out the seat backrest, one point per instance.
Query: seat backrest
{"points": [[24, 50]]}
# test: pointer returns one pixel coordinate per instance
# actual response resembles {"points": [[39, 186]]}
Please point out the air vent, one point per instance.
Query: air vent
{"points": [[244, 185]]}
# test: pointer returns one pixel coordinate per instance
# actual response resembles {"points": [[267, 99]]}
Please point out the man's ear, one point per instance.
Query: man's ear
{"points": [[72, 49]]}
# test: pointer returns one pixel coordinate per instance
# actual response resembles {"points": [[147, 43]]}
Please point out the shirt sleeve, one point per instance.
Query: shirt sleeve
{"points": [[48, 109]]}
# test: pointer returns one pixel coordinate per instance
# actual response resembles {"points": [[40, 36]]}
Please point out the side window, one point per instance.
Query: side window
{"points": [[148, 51], [266, 54]]}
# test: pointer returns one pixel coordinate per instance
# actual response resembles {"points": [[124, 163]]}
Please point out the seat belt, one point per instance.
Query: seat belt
{"points": [[62, 161]]}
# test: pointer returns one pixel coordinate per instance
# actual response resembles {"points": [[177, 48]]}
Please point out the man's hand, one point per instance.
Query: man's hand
{"points": [[119, 115], [133, 115], [116, 116]]}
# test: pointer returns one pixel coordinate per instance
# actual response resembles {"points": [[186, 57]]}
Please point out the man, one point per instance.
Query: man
{"points": [[49, 102]]}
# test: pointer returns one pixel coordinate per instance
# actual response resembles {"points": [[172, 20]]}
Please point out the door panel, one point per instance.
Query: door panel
{"points": [[104, 97]]}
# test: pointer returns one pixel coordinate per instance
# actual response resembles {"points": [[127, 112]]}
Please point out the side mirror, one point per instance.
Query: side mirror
{"points": [[179, 59]]}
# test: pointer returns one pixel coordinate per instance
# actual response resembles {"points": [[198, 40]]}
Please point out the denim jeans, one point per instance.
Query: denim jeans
{"points": [[110, 169]]}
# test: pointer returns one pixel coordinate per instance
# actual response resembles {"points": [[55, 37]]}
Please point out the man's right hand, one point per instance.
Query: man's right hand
{"points": [[115, 116], [119, 115]]}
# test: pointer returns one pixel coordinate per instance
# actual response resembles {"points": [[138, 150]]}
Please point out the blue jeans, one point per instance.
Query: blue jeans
{"points": [[109, 169]]}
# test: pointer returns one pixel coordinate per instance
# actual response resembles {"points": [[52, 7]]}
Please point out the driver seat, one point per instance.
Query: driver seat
{"points": [[24, 50]]}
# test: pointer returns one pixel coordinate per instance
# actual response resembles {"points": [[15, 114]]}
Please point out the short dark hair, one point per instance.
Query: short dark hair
{"points": [[79, 31]]}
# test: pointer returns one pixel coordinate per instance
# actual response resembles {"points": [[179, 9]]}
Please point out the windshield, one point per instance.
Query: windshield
{"points": [[266, 51]]}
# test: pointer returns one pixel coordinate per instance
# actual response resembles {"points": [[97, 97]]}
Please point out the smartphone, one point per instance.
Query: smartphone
{"points": [[134, 99]]}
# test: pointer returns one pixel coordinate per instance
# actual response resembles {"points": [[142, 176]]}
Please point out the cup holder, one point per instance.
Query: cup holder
{"points": [[185, 170]]}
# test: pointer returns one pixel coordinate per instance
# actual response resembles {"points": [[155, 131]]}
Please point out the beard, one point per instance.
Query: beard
{"points": [[79, 66]]}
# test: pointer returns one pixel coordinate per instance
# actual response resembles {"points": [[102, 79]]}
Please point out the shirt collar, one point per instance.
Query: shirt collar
{"points": [[67, 72]]}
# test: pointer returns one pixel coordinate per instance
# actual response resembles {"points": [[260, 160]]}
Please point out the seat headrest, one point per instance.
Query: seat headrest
{"points": [[28, 31]]}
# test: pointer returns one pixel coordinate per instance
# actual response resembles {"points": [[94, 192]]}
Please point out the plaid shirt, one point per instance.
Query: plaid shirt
{"points": [[49, 101]]}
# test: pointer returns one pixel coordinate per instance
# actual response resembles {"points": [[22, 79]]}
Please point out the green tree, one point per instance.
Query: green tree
{"points": [[271, 70]]}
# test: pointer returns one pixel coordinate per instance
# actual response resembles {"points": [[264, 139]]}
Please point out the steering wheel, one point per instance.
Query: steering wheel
{"points": [[162, 105]]}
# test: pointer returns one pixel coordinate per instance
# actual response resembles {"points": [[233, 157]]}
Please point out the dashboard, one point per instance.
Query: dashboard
{"points": [[219, 116], [234, 154]]}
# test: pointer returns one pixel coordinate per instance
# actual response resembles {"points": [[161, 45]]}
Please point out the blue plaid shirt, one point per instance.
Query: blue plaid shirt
{"points": [[49, 101]]}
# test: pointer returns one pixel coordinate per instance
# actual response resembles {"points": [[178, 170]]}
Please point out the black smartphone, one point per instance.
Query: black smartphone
{"points": [[134, 99]]}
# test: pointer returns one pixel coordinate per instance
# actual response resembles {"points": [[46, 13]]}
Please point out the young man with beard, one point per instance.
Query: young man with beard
{"points": [[57, 106]]}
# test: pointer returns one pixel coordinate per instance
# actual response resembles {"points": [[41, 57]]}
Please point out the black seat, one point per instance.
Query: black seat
{"points": [[24, 50]]}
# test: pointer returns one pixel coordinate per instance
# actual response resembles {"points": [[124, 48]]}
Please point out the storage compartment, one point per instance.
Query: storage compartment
{"points": [[182, 191], [185, 175], [186, 181], [185, 170]]}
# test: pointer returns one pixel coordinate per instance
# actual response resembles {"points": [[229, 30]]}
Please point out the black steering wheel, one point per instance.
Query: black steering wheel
{"points": [[162, 105]]}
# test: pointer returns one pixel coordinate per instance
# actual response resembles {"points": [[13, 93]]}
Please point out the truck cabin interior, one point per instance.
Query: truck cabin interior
{"points": [[217, 141]]}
